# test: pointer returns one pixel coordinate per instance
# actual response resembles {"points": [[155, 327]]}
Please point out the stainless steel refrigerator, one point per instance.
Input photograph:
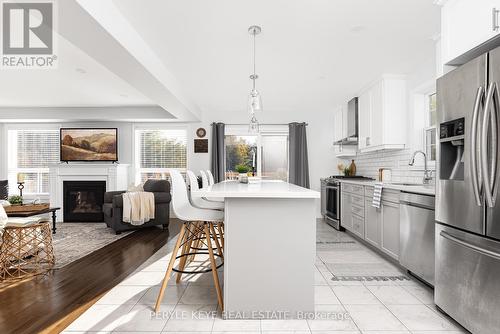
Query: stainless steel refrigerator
{"points": [[467, 283]]}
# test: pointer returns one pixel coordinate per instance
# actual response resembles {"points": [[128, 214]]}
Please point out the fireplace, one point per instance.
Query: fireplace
{"points": [[83, 200]]}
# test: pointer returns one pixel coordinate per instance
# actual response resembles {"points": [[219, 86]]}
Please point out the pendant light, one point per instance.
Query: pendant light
{"points": [[254, 99]]}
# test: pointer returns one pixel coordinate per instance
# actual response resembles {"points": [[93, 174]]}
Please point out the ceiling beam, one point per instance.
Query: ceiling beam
{"points": [[84, 114], [101, 31]]}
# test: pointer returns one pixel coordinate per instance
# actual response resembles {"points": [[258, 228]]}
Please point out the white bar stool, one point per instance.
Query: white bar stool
{"points": [[197, 223], [210, 176], [198, 201]]}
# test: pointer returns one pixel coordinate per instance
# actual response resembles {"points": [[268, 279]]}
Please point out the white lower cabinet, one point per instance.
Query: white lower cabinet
{"points": [[373, 218], [377, 226], [345, 211], [390, 229], [358, 226]]}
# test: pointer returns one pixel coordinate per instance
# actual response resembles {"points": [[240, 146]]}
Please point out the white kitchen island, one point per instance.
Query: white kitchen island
{"points": [[269, 251]]}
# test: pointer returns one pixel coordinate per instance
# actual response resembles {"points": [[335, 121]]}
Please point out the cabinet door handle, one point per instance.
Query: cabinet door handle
{"points": [[494, 19]]}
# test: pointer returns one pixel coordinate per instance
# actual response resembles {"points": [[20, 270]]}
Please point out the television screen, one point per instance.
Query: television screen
{"points": [[80, 144]]}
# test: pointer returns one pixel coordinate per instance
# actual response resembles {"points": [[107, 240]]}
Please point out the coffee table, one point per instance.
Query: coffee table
{"points": [[31, 213]]}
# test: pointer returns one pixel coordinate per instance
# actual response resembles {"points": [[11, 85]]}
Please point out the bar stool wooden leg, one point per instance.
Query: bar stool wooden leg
{"points": [[221, 235], [170, 266], [185, 249], [214, 266], [196, 241], [216, 239]]}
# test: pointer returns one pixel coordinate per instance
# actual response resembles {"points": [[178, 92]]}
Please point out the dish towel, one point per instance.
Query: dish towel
{"points": [[377, 194]]}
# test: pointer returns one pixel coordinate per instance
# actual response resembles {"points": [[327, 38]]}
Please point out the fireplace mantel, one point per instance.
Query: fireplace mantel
{"points": [[115, 175]]}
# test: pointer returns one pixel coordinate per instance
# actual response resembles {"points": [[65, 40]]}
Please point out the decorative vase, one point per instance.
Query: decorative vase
{"points": [[352, 168], [243, 178]]}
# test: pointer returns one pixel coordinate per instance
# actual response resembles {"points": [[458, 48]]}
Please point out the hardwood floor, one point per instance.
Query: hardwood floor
{"points": [[48, 304]]}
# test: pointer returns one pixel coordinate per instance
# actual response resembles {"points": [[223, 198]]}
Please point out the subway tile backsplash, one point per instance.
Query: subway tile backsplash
{"points": [[368, 164]]}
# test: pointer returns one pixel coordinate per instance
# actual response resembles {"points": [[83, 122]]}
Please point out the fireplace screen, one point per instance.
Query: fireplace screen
{"points": [[83, 201]]}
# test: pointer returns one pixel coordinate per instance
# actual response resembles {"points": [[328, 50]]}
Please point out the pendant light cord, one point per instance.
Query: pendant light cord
{"points": [[254, 53]]}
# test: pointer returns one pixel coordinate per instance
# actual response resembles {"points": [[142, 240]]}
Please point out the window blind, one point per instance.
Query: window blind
{"points": [[37, 148], [30, 152], [162, 149], [158, 150]]}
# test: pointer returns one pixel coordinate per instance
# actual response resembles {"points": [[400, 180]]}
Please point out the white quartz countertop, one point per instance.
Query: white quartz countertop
{"points": [[262, 189], [413, 188]]}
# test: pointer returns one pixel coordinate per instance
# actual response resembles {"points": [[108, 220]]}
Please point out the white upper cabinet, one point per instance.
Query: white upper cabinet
{"points": [[382, 115], [466, 24]]}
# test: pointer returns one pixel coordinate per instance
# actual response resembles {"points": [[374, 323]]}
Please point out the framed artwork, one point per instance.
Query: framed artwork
{"points": [[201, 146]]}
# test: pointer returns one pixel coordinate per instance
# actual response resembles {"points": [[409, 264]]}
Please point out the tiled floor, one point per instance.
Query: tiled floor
{"points": [[356, 291]]}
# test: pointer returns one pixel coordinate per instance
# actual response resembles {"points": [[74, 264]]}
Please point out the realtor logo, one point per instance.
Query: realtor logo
{"points": [[28, 35]]}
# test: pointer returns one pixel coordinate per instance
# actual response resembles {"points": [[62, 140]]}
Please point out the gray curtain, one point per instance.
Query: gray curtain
{"points": [[218, 155], [297, 155]]}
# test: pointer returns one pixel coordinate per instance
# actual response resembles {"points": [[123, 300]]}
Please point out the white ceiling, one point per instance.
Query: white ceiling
{"points": [[310, 55], [78, 81]]}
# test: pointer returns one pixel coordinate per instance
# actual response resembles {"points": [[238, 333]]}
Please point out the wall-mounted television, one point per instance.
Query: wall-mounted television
{"points": [[89, 144]]}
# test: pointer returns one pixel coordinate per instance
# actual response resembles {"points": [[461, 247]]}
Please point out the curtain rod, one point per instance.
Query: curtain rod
{"points": [[266, 123]]}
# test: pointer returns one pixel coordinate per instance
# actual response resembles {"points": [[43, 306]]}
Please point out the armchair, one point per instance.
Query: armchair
{"points": [[113, 207]]}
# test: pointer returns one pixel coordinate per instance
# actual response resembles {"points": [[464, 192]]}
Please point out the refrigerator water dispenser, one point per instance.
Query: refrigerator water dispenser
{"points": [[451, 141]]}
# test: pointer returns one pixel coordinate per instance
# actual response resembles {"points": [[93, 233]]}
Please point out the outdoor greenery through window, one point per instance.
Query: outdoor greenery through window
{"points": [[241, 153], [430, 130], [265, 155], [159, 150], [30, 152]]}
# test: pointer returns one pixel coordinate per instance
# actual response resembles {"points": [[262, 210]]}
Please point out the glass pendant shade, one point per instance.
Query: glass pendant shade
{"points": [[253, 127], [254, 102]]}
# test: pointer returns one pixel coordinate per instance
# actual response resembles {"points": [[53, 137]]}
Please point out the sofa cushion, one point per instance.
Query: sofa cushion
{"points": [[157, 186], [107, 208]]}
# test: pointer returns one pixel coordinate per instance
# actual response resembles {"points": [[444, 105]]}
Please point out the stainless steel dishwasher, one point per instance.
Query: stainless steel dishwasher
{"points": [[417, 228]]}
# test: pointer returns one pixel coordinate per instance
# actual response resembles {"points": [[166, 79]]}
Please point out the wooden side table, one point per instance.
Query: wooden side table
{"points": [[26, 251], [30, 212]]}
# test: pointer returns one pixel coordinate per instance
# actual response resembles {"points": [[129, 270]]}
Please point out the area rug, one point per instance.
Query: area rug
{"points": [[73, 241]]}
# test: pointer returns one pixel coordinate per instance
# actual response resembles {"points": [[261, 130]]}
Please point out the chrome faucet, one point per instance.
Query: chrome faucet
{"points": [[427, 173]]}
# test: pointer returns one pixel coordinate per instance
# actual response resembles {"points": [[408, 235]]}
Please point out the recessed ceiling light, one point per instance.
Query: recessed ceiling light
{"points": [[80, 70]]}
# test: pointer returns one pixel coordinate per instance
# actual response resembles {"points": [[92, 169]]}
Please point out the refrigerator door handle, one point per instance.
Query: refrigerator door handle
{"points": [[489, 176], [473, 247], [473, 138]]}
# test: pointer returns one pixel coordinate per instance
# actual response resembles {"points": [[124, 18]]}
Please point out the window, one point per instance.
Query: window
{"points": [[240, 150], [158, 150], [30, 152], [430, 129], [266, 153]]}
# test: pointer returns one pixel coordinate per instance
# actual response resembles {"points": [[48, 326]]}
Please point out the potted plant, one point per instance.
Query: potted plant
{"points": [[15, 200], [243, 172]]}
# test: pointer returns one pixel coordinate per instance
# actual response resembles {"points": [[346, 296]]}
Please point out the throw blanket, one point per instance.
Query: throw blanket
{"points": [[138, 207], [377, 194]]}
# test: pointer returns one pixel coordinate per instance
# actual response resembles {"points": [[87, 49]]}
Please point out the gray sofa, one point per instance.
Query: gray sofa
{"points": [[4, 189], [113, 205]]}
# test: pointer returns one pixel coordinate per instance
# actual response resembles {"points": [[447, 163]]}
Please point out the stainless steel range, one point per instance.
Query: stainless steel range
{"points": [[330, 198]]}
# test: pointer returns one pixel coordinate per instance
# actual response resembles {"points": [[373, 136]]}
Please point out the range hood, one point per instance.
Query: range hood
{"points": [[352, 124]]}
